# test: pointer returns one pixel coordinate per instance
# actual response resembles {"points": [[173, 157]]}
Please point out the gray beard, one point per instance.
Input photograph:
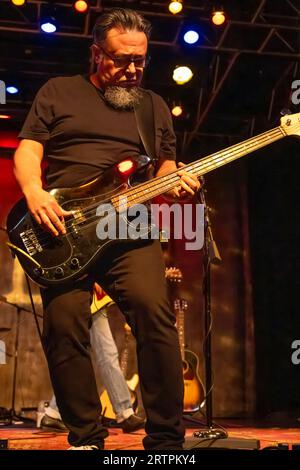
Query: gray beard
{"points": [[122, 98]]}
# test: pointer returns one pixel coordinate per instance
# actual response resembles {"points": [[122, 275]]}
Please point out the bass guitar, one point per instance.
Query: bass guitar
{"points": [[50, 260]]}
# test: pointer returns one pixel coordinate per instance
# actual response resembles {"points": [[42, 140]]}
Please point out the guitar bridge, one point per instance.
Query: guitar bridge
{"points": [[78, 215], [31, 242]]}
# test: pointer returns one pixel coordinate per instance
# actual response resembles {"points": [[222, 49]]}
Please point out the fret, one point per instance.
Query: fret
{"points": [[180, 305]]}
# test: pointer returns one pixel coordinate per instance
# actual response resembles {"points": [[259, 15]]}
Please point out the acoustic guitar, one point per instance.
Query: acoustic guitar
{"points": [[193, 387], [50, 260]]}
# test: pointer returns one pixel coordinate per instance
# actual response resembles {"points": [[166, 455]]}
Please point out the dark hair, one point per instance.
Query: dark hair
{"points": [[122, 18]]}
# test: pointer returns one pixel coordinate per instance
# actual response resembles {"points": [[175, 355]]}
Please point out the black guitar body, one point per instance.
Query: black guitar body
{"points": [[50, 260]]}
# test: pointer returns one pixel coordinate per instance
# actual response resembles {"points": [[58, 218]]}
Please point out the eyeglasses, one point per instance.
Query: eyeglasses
{"points": [[123, 61]]}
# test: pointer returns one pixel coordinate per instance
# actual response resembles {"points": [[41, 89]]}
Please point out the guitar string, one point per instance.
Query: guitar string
{"points": [[204, 162], [207, 163], [158, 182], [214, 161], [132, 192]]}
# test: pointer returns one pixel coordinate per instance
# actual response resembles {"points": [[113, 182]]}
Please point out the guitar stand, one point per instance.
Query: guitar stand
{"points": [[211, 435]]}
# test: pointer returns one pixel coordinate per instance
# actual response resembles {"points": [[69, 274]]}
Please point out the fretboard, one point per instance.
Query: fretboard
{"points": [[146, 191], [180, 329]]}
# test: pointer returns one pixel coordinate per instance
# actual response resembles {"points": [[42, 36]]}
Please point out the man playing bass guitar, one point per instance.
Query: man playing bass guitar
{"points": [[84, 125]]}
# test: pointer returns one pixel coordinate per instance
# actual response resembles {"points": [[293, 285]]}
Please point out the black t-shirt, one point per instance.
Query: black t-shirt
{"points": [[83, 135]]}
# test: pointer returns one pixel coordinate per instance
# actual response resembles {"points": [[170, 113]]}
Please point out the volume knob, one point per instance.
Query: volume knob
{"points": [[74, 263], [38, 271], [59, 273]]}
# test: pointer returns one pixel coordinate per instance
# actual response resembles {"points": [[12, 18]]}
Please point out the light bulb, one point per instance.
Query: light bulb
{"points": [[182, 75], [177, 111], [175, 7], [218, 17], [18, 3], [81, 6]]}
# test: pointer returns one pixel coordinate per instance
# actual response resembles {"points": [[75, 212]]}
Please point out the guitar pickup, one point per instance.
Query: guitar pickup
{"points": [[79, 216], [74, 231]]}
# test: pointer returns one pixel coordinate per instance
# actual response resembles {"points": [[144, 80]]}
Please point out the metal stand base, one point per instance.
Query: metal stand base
{"points": [[221, 443], [211, 433]]}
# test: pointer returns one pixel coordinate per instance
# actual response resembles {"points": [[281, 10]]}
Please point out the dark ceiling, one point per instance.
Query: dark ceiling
{"points": [[242, 71]]}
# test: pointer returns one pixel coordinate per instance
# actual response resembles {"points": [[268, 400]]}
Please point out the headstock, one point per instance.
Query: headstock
{"points": [[290, 123]]}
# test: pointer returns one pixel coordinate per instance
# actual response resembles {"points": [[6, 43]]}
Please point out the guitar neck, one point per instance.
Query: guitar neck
{"points": [[180, 329], [161, 184]]}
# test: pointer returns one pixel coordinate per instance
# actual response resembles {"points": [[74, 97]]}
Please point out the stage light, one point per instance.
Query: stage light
{"points": [[177, 110], [175, 7], [48, 26], [18, 3], [12, 90], [191, 36], [81, 6], [182, 75], [5, 116], [48, 20], [218, 17]]}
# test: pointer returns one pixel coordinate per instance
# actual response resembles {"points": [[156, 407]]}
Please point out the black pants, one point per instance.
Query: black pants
{"points": [[134, 277]]}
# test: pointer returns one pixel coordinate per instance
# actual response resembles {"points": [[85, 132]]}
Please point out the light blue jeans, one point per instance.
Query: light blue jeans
{"points": [[106, 360]]}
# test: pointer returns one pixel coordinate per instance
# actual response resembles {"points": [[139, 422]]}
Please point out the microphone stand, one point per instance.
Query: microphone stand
{"points": [[212, 436], [211, 255]]}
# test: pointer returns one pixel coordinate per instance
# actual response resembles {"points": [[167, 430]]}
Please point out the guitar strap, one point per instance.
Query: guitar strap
{"points": [[144, 115]]}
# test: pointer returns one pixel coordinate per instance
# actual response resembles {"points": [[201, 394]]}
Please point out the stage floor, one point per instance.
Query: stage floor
{"points": [[20, 437]]}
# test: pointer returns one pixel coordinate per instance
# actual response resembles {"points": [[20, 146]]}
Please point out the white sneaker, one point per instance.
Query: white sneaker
{"points": [[92, 447]]}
